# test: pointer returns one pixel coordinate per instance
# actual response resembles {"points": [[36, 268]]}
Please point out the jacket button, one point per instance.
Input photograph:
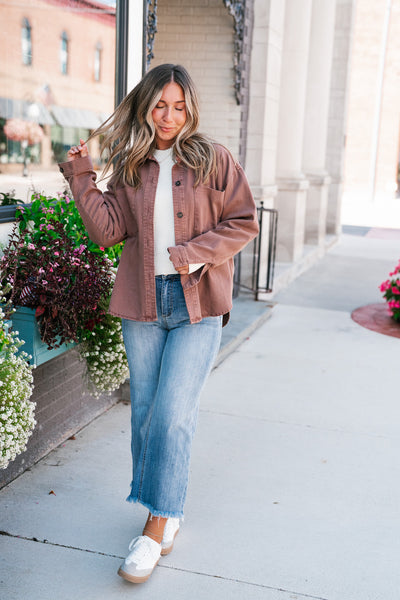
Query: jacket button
{"points": [[179, 215], [177, 183]]}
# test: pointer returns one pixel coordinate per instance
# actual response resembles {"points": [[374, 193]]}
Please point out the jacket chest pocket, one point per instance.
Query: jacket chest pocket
{"points": [[208, 207]]}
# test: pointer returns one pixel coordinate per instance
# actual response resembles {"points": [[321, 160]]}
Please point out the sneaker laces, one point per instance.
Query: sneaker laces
{"points": [[140, 546]]}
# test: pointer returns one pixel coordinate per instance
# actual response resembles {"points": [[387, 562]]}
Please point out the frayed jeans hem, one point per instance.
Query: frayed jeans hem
{"points": [[155, 512]]}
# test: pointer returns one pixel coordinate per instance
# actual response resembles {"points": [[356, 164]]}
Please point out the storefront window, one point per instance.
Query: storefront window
{"points": [[68, 90]]}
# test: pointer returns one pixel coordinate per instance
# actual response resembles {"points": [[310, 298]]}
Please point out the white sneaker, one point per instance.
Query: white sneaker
{"points": [[143, 557], [170, 531]]}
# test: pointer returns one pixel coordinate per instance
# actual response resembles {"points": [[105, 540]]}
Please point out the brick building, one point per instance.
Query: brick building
{"points": [[57, 68], [272, 75]]}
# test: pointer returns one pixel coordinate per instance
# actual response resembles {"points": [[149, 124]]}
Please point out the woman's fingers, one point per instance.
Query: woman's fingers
{"points": [[84, 148], [78, 151]]}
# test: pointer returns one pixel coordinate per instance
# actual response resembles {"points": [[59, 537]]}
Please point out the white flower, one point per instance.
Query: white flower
{"points": [[16, 411], [107, 366]]}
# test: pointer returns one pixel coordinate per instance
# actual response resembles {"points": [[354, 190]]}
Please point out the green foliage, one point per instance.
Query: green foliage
{"points": [[54, 267], [63, 283], [44, 211], [9, 199]]}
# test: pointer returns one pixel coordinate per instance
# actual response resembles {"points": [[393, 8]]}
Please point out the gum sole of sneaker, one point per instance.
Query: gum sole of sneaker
{"points": [[134, 579], [165, 551]]}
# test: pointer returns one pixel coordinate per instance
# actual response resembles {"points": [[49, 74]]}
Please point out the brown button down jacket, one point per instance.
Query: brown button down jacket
{"points": [[213, 222]]}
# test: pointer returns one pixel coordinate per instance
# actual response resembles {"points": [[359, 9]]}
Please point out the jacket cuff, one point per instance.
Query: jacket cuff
{"points": [[178, 256], [192, 279], [76, 167]]}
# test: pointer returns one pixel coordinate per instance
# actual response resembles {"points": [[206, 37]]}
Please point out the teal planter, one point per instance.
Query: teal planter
{"points": [[24, 321]]}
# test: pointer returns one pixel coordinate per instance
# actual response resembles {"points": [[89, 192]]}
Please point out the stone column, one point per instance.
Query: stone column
{"points": [[262, 130], [292, 184], [344, 26], [264, 97], [316, 118]]}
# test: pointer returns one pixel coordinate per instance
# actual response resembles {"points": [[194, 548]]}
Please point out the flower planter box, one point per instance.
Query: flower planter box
{"points": [[7, 213], [24, 321]]}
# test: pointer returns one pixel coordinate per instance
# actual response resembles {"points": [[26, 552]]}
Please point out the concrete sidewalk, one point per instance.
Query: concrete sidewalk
{"points": [[295, 476]]}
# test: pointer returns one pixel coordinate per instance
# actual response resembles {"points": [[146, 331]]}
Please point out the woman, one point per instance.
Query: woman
{"points": [[184, 208]]}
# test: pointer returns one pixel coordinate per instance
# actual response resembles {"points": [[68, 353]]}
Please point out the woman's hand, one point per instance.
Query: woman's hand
{"points": [[183, 270], [78, 151]]}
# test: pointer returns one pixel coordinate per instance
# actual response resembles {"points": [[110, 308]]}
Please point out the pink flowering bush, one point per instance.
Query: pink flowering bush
{"points": [[64, 283], [55, 268], [391, 293], [19, 130], [44, 212]]}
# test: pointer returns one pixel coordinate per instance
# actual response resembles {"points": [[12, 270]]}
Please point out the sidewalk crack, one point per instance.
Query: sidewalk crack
{"points": [[35, 539], [299, 595], [262, 419]]}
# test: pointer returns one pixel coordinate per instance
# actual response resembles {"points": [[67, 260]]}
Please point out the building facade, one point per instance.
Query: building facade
{"points": [[58, 70], [273, 78]]}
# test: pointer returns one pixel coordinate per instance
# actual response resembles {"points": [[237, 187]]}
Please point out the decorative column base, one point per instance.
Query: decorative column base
{"points": [[265, 194], [291, 205], [317, 207]]}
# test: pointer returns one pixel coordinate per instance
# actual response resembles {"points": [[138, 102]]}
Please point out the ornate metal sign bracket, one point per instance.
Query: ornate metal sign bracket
{"points": [[237, 10]]}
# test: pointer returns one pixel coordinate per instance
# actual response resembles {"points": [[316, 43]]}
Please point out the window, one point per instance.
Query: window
{"points": [[97, 61], [43, 71], [64, 53], [26, 42]]}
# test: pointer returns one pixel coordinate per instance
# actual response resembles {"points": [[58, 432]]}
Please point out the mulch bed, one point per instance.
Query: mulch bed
{"points": [[376, 317]]}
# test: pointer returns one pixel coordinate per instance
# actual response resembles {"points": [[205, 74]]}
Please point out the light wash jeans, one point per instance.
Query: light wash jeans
{"points": [[169, 362]]}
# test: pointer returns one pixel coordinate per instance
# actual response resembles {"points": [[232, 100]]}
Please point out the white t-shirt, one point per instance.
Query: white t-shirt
{"points": [[164, 230]]}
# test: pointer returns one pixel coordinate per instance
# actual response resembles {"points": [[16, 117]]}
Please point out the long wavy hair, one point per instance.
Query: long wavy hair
{"points": [[129, 133]]}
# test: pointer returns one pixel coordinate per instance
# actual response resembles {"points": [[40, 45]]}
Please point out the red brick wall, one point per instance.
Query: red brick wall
{"points": [[48, 19]]}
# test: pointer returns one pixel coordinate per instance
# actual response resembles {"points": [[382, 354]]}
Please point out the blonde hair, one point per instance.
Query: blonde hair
{"points": [[129, 133]]}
